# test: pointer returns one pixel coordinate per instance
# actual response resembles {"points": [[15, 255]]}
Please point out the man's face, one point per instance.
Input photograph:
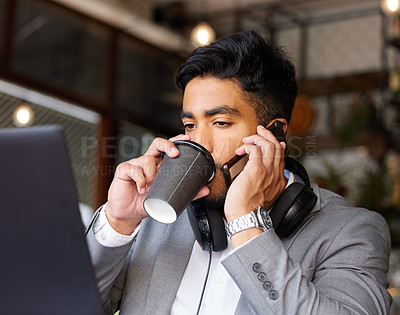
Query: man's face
{"points": [[217, 115]]}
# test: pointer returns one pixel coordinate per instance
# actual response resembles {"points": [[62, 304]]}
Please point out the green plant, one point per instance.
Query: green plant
{"points": [[373, 189]]}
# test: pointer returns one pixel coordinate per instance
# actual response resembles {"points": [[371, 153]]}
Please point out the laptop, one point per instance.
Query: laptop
{"points": [[45, 266]]}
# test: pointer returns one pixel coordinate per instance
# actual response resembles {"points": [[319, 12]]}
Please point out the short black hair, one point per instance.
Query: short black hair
{"points": [[261, 68]]}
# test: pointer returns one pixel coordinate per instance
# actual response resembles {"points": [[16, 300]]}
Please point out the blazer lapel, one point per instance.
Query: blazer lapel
{"points": [[170, 266]]}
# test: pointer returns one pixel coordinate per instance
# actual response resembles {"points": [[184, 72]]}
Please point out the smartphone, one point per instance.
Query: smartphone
{"points": [[234, 166]]}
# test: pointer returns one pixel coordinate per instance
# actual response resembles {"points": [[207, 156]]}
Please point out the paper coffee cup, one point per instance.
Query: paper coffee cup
{"points": [[178, 180]]}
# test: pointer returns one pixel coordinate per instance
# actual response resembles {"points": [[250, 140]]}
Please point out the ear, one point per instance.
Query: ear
{"points": [[283, 121]]}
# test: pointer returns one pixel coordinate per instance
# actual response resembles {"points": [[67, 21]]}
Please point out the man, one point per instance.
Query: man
{"points": [[334, 263]]}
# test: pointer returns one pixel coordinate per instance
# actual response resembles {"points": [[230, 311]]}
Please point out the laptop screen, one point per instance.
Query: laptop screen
{"points": [[45, 266]]}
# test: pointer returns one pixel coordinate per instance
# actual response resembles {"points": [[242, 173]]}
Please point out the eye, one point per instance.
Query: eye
{"points": [[222, 124], [189, 126]]}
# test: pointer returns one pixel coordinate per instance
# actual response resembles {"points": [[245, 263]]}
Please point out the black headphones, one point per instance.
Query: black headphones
{"points": [[294, 204]]}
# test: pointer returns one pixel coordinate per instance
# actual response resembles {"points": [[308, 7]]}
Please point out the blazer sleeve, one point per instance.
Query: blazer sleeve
{"points": [[344, 273], [110, 269]]}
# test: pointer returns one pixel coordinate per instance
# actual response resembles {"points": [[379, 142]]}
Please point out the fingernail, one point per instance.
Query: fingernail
{"points": [[174, 150], [261, 126]]}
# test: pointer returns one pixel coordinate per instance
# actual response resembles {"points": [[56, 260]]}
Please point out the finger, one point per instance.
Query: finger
{"points": [[160, 145], [180, 137], [267, 134], [268, 148], [241, 150], [280, 146], [282, 154], [148, 164], [254, 152], [265, 165], [134, 173], [263, 133]]}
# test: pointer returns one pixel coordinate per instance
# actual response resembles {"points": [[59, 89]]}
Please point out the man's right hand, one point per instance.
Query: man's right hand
{"points": [[132, 179]]}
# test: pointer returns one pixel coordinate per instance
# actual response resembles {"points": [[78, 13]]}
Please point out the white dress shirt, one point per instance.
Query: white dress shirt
{"points": [[221, 295]]}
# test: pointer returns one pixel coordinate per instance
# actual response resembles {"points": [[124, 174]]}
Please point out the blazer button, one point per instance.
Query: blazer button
{"points": [[267, 285], [257, 267], [262, 276], [273, 294]]}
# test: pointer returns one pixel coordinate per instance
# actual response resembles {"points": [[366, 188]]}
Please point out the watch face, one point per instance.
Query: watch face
{"points": [[266, 220]]}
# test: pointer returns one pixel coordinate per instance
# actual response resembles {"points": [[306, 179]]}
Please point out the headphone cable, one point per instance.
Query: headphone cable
{"points": [[205, 281], [91, 223]]}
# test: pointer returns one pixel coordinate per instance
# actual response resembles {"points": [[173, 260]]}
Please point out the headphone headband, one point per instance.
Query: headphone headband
{"points": [[295, 167]]}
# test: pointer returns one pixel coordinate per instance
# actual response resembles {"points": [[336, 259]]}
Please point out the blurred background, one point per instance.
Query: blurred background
{"points": [[104, 70]]}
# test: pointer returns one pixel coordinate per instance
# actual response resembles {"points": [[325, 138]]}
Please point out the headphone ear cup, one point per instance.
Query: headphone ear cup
{"points": [[208, 226], [295, 203], [199, 223], [217, 228]]}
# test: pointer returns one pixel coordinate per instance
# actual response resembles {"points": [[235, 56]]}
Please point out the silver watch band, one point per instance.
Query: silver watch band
{"points": [[242, 223]]}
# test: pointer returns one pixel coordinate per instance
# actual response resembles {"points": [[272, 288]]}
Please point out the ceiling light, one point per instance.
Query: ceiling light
{"points": [[23, 115], [202, 34], [390, 7]]}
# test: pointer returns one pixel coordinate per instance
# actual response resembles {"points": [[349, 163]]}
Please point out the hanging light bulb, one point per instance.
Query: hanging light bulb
{"points": [[202, 34], [23, 115], [390, 7]]}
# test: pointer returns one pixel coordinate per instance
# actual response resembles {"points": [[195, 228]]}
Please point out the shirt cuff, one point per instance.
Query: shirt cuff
{"points": [[107, 236], [244, 244]]}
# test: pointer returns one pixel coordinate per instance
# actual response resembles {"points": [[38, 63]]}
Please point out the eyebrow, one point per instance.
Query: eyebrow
{"points": [[224, 109]]}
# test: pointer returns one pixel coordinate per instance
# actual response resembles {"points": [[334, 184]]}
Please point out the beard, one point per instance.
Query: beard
{"points": [[218, 189]]}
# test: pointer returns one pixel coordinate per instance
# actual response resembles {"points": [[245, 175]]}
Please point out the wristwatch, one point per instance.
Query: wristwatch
{"points": [[258, 218]]}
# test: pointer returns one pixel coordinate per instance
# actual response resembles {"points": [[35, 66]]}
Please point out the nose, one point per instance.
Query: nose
{"points": [[204, 137]]}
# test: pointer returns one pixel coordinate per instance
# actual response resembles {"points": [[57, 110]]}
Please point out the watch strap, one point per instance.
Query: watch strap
{"points": [[247, 221]]}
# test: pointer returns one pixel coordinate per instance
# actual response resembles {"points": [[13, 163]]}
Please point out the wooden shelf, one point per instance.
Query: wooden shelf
{"points": [[343, 84]]}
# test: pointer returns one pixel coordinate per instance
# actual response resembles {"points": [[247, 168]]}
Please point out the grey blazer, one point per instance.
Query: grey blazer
{"points": [[335, 263]]}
